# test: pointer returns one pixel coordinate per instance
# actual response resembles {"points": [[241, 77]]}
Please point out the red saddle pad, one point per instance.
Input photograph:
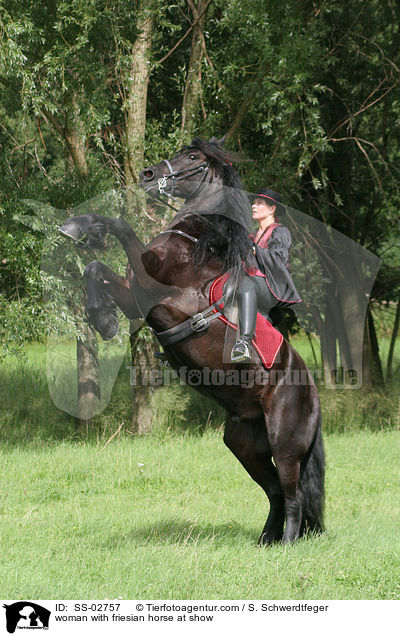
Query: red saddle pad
{"points": [[266, 341]]}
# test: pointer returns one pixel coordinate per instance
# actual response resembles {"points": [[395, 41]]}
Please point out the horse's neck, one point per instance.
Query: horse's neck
{"points": [[183, 287], [188, 222], [209, 196]]}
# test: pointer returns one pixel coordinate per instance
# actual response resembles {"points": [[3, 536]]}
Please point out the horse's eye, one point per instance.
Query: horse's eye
{"points": [[192, 157]]}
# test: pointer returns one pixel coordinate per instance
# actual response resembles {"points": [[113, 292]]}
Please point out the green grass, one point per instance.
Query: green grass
{"points": [[28, 415], [302, 344], [173, 514], [179, 518]]}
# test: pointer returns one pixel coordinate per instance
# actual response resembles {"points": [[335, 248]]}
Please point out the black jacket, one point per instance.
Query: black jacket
{"points": [[272, 261]]}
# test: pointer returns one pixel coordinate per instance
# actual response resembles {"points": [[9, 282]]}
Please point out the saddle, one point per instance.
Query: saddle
{"points": [[266, 341]]}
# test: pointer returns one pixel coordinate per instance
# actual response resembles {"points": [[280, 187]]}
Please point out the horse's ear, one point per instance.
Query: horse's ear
{"points": [[219, 142]]}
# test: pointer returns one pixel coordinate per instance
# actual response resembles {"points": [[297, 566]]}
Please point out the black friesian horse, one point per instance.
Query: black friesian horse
{"points": [[273, 429]]}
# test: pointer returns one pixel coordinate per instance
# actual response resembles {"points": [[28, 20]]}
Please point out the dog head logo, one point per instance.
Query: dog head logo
{"points": [[26, 615]]}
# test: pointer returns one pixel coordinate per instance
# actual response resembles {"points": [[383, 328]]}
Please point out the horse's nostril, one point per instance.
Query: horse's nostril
{"points": [[148, 174]]}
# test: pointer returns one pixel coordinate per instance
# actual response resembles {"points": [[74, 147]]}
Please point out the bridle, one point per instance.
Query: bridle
{"points": [[179, 175]]}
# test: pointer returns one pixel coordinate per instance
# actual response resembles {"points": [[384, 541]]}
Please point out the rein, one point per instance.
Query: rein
{"points": [[181, 233]]}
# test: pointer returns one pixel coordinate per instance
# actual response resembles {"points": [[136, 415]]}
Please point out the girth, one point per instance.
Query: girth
{"points": [[195, 324]]}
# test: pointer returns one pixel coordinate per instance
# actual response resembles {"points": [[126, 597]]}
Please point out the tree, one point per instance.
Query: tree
{"points": [[308, 91], [192, 94], [315, 87]]}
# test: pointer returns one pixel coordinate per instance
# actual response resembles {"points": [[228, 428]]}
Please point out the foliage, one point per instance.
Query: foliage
{"points": [[308, 91]]}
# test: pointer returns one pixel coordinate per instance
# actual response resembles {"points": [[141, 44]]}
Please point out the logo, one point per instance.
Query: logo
{"points": [[26, 615]]}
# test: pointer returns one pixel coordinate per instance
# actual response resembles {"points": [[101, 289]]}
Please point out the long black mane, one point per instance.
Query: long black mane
{"points": [[226, 227]]}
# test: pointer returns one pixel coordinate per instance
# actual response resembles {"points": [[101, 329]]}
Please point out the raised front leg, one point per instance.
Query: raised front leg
{"points": [[105, 290], [90, 229]]}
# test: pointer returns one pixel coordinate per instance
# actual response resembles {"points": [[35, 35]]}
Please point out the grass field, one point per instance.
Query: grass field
{"points": [[179, 518], [173, 515]]}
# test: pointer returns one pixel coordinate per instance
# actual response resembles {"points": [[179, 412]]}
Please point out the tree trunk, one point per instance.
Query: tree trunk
{"points": [[88, 368], [136, 104], [88, 377], [328, 342], [241, 113], [74, 136], [389, 370], [354, 296], [367, 361], [377, 365], [192, 94], [372, 367], [142, 375], [142, 350], [328, 352]]}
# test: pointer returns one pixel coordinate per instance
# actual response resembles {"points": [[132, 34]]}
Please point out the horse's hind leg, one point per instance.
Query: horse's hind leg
{"points": [[292, 416], [289, 476], [249, 443]]}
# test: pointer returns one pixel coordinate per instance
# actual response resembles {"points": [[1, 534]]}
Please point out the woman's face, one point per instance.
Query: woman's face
{"points": [[262, 211]]}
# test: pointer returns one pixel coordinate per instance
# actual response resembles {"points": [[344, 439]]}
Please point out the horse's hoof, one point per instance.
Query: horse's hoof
{"points": [[269, 539], [107, 327], [86, 230], [72, 230], [263, 541], [111, 329]]}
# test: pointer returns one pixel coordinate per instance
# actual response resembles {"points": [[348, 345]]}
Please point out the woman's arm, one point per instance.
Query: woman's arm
{"points": [[279, 245]]}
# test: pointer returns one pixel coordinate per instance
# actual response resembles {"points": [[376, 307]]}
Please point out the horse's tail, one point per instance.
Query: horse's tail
{"points": [[312, 481]]}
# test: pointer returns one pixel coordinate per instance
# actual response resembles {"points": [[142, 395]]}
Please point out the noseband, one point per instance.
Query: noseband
{"points": [[180, 175]]}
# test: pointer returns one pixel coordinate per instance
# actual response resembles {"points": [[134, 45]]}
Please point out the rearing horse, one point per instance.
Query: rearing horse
{"points": [[274, 429]]}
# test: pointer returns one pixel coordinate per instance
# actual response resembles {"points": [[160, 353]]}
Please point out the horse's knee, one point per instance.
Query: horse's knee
{"points": [[95, 294], [92, 270]]}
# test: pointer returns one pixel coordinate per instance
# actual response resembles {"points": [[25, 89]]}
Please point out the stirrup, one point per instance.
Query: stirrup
{"points": [[241, 352]]}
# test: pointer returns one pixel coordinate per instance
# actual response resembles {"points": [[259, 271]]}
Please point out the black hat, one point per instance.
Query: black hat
{"points": [[271, 197]]}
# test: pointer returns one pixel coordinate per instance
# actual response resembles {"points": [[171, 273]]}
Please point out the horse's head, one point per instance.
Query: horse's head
{"points": [[202, 162], [203, 175]]}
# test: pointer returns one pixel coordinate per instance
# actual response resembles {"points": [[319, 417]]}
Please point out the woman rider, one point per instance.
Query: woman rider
{"points": [[267, 283]]}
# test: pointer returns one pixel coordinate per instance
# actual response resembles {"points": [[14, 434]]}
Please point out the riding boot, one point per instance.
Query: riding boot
{"points": [[247, 307]]}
